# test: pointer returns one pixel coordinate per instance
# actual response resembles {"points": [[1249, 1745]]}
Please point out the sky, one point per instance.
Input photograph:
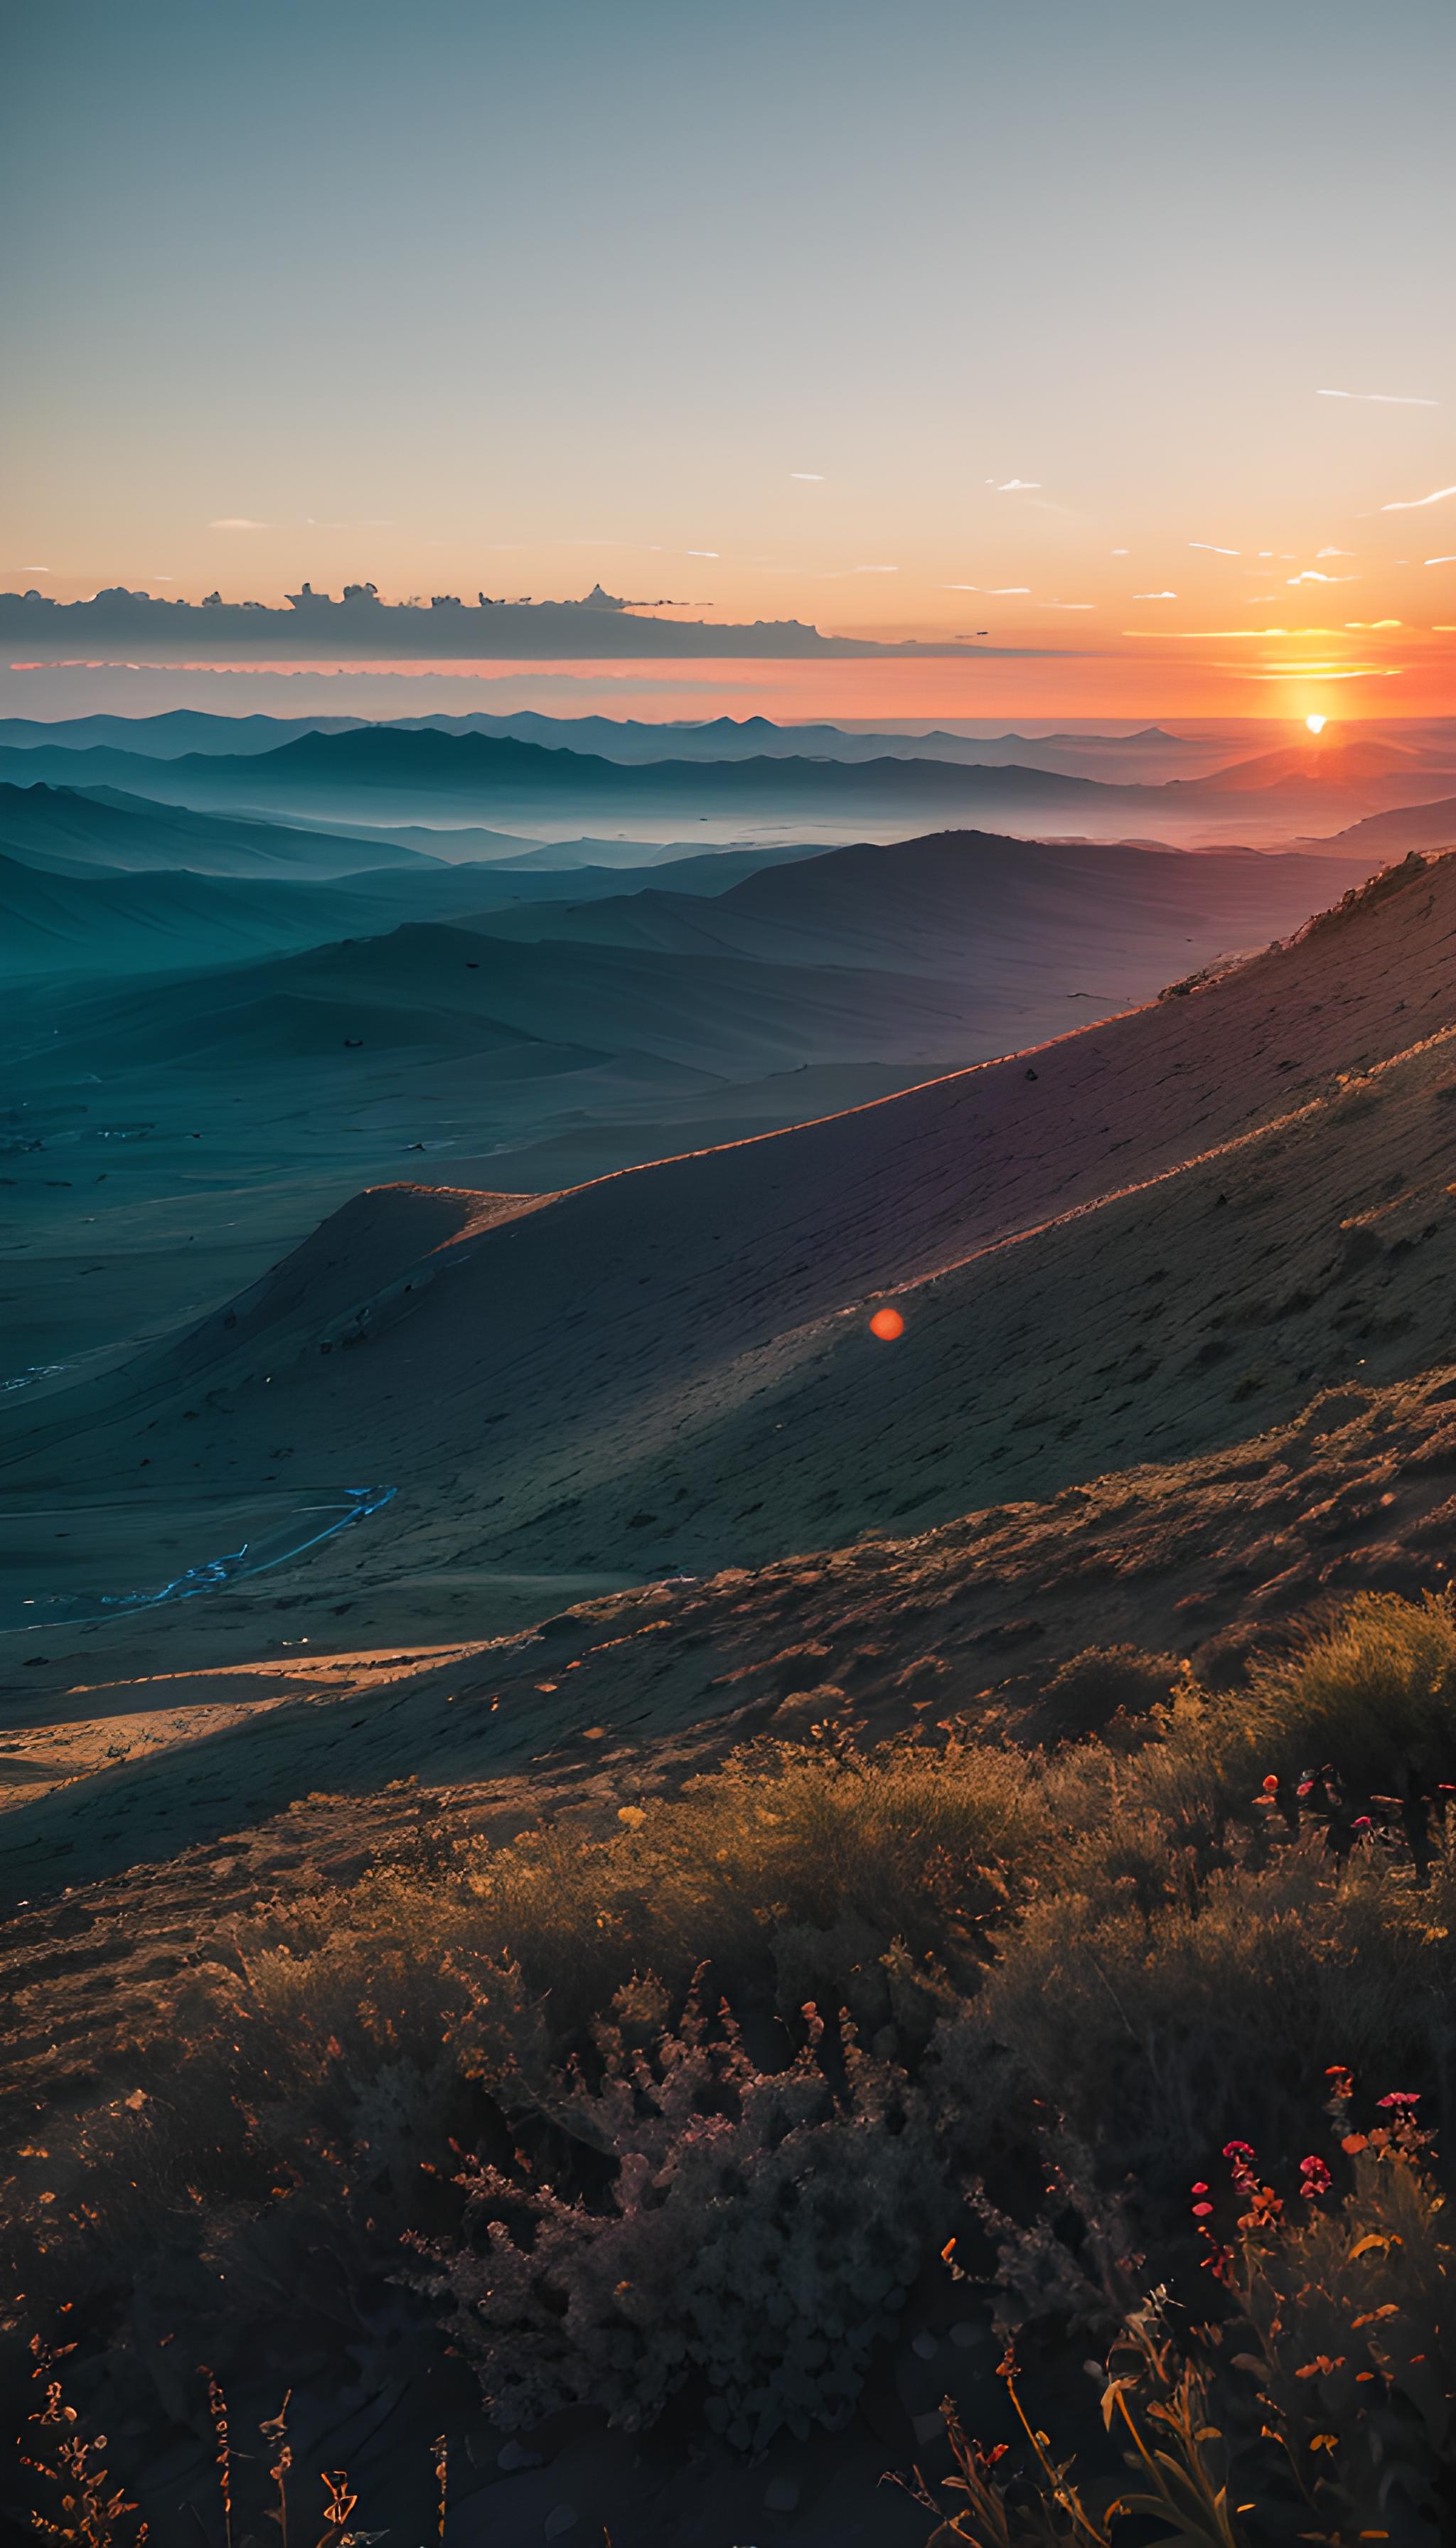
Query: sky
{"points": [[1124, 334]]}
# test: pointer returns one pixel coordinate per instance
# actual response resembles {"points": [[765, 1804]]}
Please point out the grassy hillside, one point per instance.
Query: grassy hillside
{"points": [[679, 2037]]}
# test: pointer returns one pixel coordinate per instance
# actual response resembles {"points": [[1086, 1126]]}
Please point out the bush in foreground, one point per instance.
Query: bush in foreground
{"points": [[683, 2106]]}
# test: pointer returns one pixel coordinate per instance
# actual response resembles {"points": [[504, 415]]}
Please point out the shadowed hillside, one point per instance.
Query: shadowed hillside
{"points": [[1144, 1235]]}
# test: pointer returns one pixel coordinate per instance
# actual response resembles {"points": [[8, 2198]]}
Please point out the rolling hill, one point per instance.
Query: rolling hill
{"points": [[1141, 1239], [63, 917], [1119, 920], [1401, 829], [77, 830]]}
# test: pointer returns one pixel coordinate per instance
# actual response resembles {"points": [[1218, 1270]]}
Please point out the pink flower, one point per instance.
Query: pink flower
{"points": [[1402, 2098]]}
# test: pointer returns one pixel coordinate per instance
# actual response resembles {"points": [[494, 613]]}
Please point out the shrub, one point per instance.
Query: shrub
{"points": [[758, 2233], [498, 2055], [1372, 1694], [1221, 2005], [1316, 2403], [1105, 1687]]}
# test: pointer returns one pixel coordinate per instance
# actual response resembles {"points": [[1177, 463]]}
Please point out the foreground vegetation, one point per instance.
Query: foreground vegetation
{"points": [[702, 2109]]}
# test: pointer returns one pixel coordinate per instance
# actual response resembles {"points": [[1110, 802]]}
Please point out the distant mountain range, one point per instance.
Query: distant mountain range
{"points": [[392, 774], [626, 739]]}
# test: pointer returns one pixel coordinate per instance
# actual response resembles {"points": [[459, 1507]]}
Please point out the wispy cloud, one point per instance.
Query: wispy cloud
{"points": [[1376, 398], [707, 553], [875, 569], [237, 522], [1122, 552], [1214, 549], [1372, 623], [1015, 486], [808, 476], [1322, 673], [1311, 575], [993, 591], [1440, 561], [1155, 596], [1186, 635], [1319, 553], [1067, 605], [1418, 503]]}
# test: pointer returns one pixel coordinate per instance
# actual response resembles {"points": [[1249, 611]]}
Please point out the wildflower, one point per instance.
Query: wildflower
{"points": [[1403, 2099], [1315, 2179]]}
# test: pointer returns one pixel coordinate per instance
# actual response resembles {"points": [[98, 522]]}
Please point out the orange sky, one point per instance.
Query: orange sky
{"points": [[1123, 331]]}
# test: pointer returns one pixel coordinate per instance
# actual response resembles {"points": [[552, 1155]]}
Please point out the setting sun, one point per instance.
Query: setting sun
{"points": [[1316, 724]]}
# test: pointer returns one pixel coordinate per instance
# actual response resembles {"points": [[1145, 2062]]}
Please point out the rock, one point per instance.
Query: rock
{"points": [[514, 2455], [924, 2345], [965, 2332], [780, 2495], [929, 2428], [561, 2519]]}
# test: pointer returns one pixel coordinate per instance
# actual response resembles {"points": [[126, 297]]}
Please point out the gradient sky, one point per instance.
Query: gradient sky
{"points": [[766, 306]]}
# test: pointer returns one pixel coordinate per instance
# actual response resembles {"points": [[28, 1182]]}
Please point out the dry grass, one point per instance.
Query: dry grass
{"points": [[487, 2051]]}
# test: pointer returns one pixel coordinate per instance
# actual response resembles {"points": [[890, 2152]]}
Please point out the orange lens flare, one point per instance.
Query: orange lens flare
{"points": [[887, 1325]]}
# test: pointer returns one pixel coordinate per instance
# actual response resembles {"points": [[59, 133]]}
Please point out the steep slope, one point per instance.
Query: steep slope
{"points": [[632, 1692], [1143, 1236]]}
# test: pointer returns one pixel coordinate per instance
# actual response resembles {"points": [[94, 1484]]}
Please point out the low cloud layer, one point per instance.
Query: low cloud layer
{"points": [[313, 627]]}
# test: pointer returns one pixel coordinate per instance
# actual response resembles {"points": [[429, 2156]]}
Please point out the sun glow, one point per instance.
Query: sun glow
{"points": [[1316, 724]]}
